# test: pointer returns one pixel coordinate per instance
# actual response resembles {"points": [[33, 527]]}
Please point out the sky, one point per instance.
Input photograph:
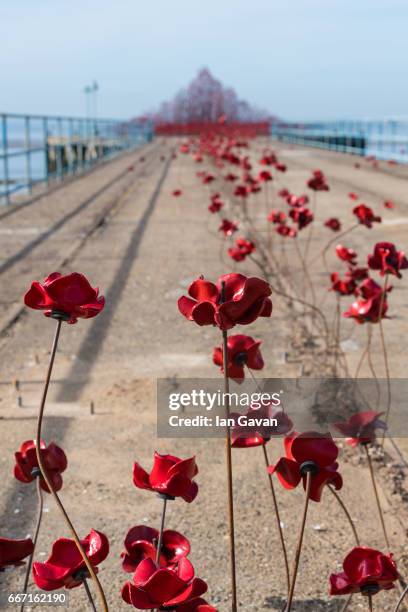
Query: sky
{"points": [[299, 59]]}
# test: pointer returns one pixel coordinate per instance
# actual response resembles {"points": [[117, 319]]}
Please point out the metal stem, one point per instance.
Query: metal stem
{"points": [[89, 594], [44, 474], [160, 542], [377, 499], [300, 542], [276, 508], [386, 364], [40, 505], [347, 513], [370, 603], [403, 595]]}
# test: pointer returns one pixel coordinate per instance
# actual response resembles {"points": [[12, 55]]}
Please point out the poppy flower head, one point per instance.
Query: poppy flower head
{"points": [[177, 193], [242, 249], [387, 259], [302, 216], [248, 436], [333, 223], [318, 181], [372, 307], [388, 204], [277, 217], [286, 231], [346, 254], [65, 566], [357, 274], [265, 176], [169, 476], [141, 543], [163, 588], [242, 351], [365, 215], [346, 286], [280, 167], [353, 196], [216, 205], [313, 449], [365, 570], [12, 552], [235, 299], [241, 191], [283, 193], [360, 427], [228, 227], [230, 177], [27, 470], [70, 295]]}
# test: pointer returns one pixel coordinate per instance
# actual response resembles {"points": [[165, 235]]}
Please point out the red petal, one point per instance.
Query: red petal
{"points": [[287, 471]]}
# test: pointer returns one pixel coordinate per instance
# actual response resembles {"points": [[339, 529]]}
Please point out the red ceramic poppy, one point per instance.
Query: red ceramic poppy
{"points": [[242, 249], [357, 274], [302, 216], [215, 206], [280, 167], [365, 215], [177, 193], [297, 201], [71, 295], [346, 286], [241, 191], [277, 216], [12, 552], [265, 176], [55, 462], [268, 159], [286, 231], [163, 588], [333, 223], [371, 308], [318, 181], [360, 427], [257, 434], [309, 448], [141, 543], [353, 196], [228, 227], [365, 570], [169, 476], [388, 204], [244, 301], [387, 259], [346, 254], [230, 177], [283, 193], [65, 566], [208, 178], [242, 351]]}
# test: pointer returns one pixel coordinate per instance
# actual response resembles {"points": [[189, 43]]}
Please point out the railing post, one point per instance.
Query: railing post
{"points": [[27, 146], [60, 169], [45, 145], [5, 158]]}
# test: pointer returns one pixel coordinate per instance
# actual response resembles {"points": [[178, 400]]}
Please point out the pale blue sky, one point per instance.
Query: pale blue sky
{"points": [[300, 59]]}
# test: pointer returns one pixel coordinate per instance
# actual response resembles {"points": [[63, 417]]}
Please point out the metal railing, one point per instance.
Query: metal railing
{"points": [[387, 139], [40, 149]]}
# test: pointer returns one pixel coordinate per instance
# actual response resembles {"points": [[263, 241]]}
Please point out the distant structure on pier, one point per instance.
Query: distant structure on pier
{"points": [[206, 100]]}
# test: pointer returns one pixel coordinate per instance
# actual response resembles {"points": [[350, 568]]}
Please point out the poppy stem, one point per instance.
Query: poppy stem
{"points": [[311, 228], [306, 274], [160, 542], [229, 475], [89, 594], [328, 245], [347, 513], [44, 474], [40, 505], [229, 463], [377, 499], [370, 603], [300, 542], [386, 364], [276, 508], [347, 603], [401, 599]]}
